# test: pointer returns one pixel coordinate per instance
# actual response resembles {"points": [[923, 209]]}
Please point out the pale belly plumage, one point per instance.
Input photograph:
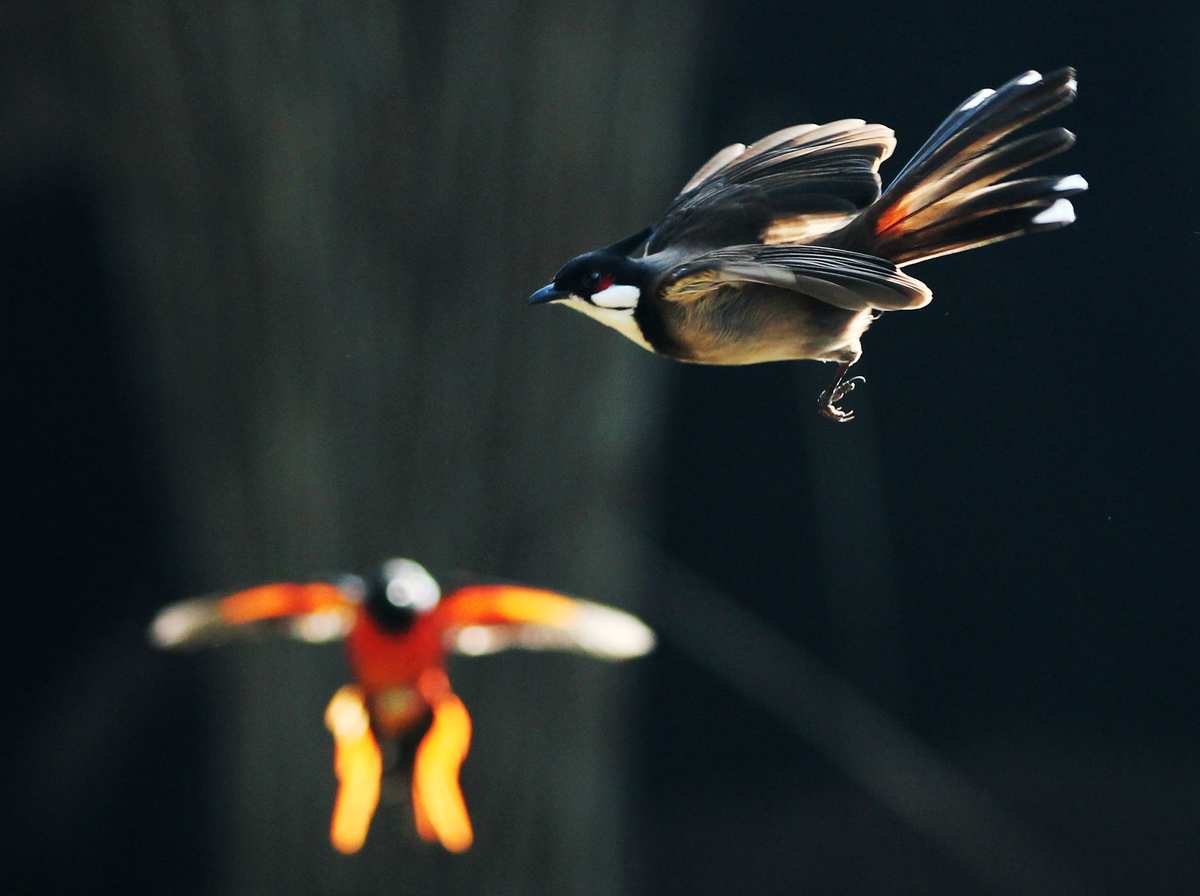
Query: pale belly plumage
{"points": [[754, 327]]}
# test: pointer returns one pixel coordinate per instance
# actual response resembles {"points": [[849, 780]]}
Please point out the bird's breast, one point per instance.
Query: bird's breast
{"points": [[396, 708], [758, 325]]}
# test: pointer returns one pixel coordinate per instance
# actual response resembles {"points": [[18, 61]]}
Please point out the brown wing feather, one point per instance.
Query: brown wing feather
{"points": [[791, 186], [848, 280], [799, 139]]}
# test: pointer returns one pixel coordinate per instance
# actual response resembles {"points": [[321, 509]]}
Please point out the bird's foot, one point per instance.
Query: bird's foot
{"points": [[827, 403]]}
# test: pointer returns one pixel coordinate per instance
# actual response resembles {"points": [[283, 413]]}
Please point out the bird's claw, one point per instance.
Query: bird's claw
{"points": [[828, 400]]}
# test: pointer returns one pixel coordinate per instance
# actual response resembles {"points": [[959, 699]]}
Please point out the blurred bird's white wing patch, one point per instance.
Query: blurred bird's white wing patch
{"points": [[592, 629], [204, 621], [610, 633], [190, 622]]}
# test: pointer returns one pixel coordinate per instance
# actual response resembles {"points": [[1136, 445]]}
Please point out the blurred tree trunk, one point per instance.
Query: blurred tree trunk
{"points": [[328, 218]]}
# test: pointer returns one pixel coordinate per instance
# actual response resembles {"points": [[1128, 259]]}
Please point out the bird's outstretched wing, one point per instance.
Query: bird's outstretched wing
{"points": [[848, 280], [789, 187], [313, 612], [483, 619]]}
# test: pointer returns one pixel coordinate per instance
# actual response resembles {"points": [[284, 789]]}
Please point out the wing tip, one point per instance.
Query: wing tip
{"points": [[183, 624], [923, 294], [612, 634], [718, 160]]}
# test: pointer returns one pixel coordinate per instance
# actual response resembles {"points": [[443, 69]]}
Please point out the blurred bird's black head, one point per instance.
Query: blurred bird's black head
{"points": [[398, 592]]}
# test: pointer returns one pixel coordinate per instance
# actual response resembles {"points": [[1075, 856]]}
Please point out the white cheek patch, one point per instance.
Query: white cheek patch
{"points": [[623, 297]]}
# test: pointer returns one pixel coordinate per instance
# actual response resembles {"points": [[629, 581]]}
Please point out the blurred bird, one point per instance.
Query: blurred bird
{"points": [[399, 628], [786, 250]]}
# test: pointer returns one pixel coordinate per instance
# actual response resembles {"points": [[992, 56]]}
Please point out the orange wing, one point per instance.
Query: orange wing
{"points": [[501, 604], [481, 619], [317, 611]]}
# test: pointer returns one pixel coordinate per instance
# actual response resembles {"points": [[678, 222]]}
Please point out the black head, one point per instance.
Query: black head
{"points": [[398, 592], [606, 279]]}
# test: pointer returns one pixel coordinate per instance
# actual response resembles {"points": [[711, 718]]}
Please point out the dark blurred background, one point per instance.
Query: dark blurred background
{"points": [[264, 315]]}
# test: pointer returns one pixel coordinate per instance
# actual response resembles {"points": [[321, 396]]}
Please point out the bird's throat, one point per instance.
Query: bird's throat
{"points": [[620, 319]]}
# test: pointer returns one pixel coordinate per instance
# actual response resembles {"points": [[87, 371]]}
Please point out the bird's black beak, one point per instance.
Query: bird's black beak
{"points": [[548, 293]]}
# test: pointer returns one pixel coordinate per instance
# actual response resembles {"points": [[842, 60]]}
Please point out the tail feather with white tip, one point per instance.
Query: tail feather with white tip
{"points": [[952, 195]]}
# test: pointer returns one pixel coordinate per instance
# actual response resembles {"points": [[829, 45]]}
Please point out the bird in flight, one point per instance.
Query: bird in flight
{"points": [[786, 249], [401, 721]]}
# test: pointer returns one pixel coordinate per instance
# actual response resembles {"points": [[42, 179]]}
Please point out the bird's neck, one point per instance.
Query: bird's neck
{"points": [[622, 321]]}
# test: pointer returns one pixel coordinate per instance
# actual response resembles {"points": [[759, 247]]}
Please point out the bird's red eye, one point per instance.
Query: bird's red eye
{"points": [[605, 281]]}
